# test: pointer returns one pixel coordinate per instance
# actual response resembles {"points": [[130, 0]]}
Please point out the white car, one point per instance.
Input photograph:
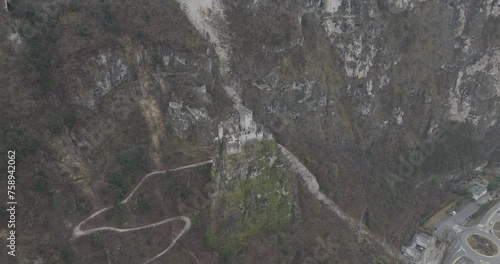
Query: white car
{"points": [[453, 213]]}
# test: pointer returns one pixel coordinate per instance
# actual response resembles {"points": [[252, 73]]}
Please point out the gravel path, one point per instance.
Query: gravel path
{"points": [[77, 232]]}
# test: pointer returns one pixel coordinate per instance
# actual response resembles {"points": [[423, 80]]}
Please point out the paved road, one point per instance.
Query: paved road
{"points": [[460, 247], [459, 219]]}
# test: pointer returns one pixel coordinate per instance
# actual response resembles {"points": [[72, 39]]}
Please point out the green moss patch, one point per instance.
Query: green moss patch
{"points": [[257, 197]]}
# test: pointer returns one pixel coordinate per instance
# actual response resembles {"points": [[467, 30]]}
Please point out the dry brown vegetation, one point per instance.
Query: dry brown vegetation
{"points": [[482, 245], [64, 176]]}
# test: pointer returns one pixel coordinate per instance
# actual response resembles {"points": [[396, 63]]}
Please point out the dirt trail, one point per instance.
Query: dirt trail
{"points": [[77, 232]]}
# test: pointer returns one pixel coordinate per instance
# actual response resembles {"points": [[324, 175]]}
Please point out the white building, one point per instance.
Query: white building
{"points": [[421, 249], [477, 191], [237, 131]]}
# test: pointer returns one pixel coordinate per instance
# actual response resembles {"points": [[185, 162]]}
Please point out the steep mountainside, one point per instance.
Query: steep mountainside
{"points": [[364, 86], [370, 110]]}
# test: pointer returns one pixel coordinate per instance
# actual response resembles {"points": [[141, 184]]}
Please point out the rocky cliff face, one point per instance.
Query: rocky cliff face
{"points": [[374, 97], [255, 192], [367, 82]]}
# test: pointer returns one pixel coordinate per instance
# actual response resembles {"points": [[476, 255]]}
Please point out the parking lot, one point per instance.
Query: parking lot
{"points": [[461, 218]]}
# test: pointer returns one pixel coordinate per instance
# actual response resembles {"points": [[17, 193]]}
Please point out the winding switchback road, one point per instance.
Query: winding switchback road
{"points": [[77, 232]]}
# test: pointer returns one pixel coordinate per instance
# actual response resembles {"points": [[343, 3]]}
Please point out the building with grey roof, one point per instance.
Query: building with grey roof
{"points": [[477, 191], [419, 248]]}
